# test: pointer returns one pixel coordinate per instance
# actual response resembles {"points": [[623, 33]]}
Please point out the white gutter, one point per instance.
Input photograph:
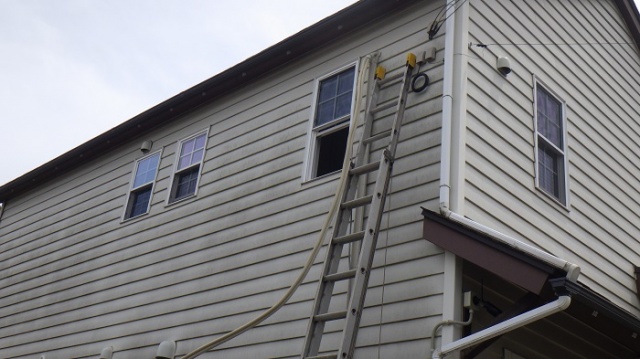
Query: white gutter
{"points": [[447, 171]]}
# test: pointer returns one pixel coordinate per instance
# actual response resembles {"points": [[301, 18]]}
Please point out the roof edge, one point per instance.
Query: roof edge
{"points": [[257, 66]]}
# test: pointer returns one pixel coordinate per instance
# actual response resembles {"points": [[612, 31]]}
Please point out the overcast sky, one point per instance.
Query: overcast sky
{"points": [[73, 69]]}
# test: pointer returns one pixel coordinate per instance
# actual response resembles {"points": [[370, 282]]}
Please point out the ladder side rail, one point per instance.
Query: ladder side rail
{"points": [[325, 288], [400, 107], [363, 271], [369, 242]]}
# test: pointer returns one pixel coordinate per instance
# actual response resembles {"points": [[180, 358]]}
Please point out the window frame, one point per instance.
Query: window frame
{"points": [[541, 140], [176, 172], [315, 133], [128, 207]]}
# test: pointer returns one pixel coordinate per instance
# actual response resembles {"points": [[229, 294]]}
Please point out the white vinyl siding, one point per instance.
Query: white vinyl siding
{"points": [[601, 85], [74, 279]]}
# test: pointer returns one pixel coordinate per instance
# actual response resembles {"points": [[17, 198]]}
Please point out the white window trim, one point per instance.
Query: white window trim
{"points": [[311, 152], [175, 167], [564, 200], [131, 188]]}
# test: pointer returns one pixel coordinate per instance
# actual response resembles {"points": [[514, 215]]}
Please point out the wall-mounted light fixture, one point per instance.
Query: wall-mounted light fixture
{"points": [[106, 353], [166, 350], [504, 65], [146, 146]]}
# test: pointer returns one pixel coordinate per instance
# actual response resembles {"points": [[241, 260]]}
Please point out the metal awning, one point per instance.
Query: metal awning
{"points": [[519, 268]]}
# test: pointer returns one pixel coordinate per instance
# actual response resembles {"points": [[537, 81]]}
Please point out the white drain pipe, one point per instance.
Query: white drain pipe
{"points": [[447, 172], [521, 320]]}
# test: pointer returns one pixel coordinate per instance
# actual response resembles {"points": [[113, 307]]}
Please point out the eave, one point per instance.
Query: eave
{"points": [[587, 306], [291, 49]]}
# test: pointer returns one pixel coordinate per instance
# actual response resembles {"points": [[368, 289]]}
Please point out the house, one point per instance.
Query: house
{"points": [[514, 197]]}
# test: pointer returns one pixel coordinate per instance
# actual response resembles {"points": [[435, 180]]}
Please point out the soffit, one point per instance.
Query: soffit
{"points": [[587, 306]]}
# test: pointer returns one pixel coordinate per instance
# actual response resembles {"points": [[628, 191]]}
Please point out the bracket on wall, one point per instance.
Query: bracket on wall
{"points": [[636, 271]]}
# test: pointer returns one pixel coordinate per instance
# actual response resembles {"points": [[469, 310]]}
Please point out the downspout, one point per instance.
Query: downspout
{"points": [[447, 172], [531, 316]]}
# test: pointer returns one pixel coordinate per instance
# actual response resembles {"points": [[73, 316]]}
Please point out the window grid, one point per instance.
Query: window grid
{"points": [[188, 167], [140, 194], [333, 105], [550, 134]]}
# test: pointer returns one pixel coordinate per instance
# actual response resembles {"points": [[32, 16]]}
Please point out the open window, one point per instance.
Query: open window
{"points": [[550, 138], [188, 167], [331, 118], [141, 188]]}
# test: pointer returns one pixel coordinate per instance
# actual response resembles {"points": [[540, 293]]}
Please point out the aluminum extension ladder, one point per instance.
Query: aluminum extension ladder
{"points": [[341, 228]]}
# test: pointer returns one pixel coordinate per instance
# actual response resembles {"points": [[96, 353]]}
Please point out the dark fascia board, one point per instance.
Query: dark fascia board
{"points": [[631, 17], [290, 49]]}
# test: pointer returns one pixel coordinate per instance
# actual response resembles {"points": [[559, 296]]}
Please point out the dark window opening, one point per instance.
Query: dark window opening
{"points": [[331, 149]]}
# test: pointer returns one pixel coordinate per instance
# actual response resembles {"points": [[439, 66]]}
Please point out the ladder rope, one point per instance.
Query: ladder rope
{"points": [[364, 65]]}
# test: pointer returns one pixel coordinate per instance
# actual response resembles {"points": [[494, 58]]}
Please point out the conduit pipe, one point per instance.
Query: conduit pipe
{"points": [[364, 65], [447, 172], [558, 305]]}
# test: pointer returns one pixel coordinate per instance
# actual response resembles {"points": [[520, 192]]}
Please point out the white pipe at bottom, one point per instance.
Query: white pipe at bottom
{"points": [[523, 319]]}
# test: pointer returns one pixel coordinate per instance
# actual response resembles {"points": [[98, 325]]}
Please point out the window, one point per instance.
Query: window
{"points": [[188, 167], [550, 144], [334, 96], [145, 171]]}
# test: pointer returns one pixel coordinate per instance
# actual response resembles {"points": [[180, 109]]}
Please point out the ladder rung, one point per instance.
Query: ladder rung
{"points": [[387, 80], [379, 136], [369, 167], [387, 105], [323, 356], [357, 202], [349, 238], [330, 316], [340, 276]]}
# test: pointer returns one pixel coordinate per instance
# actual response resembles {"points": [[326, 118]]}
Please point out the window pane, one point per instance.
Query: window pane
{"points": [[139, 202], [334, 97], [325, 113], [548, 170], [190, 153], [549, 117], [146, 170], [343, 105], [345, 82], [328, 89], [186, 183]]}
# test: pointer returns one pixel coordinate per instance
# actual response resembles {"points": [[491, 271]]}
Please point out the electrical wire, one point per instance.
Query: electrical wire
{"points": [[482, 45], [437, 21], [365, 64]]}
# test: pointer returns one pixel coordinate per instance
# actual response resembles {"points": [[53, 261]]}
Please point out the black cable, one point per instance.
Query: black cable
{"points": [[420, 88]]}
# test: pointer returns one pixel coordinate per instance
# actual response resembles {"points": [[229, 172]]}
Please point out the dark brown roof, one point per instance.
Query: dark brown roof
{"points": [[290, 49]]}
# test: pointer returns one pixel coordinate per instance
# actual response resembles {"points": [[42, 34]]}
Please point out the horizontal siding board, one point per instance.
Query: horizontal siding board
{"points": [[200, 267], [599, 83]]}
